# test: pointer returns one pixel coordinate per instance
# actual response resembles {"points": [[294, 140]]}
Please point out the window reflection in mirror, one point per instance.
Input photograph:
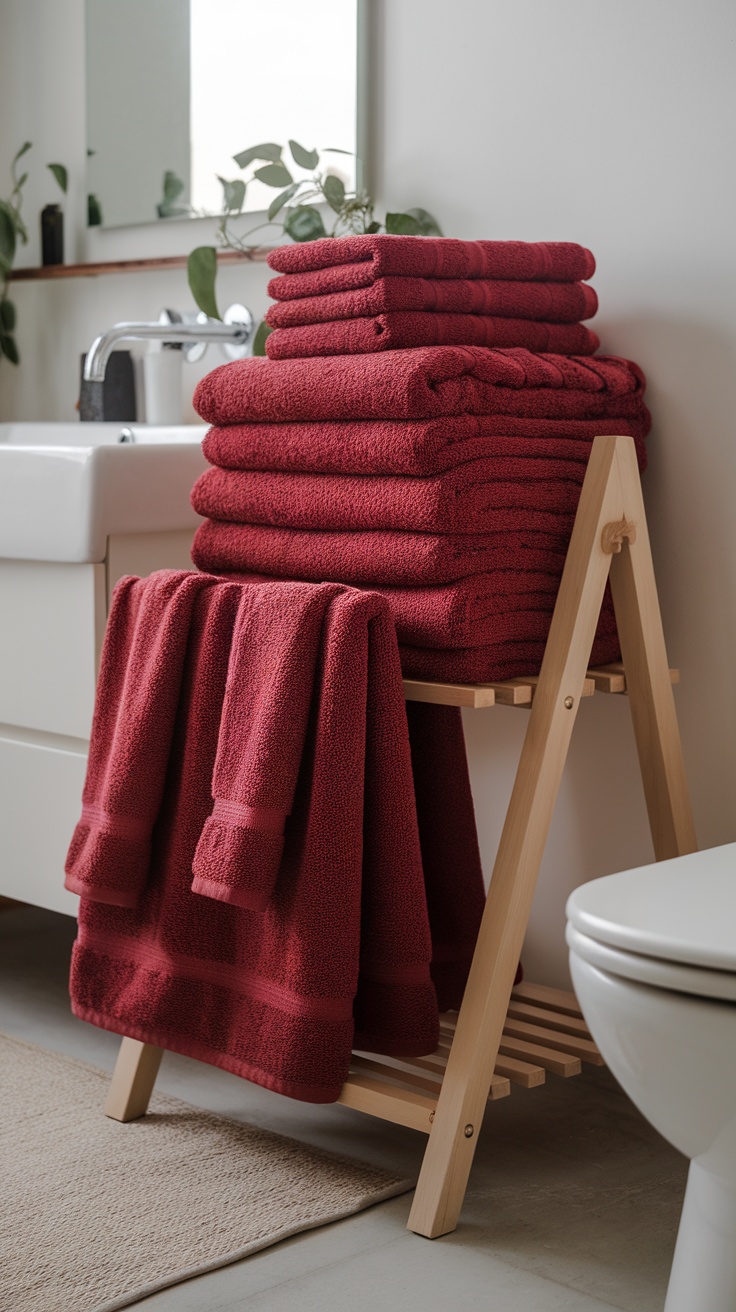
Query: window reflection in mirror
{"points": [[176, 88]]}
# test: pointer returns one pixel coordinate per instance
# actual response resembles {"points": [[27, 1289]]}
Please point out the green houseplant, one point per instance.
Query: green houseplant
{"points": [[12, 231], [293, 212]]}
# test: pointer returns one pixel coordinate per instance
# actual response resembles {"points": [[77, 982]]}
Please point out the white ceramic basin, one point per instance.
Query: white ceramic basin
{"points": [[64, 488]]}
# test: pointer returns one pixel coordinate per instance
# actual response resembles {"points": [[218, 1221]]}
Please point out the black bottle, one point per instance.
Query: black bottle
{"points": [[52, 235]]}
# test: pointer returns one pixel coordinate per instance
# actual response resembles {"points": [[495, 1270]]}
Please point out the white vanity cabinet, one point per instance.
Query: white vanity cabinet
{"points": [[52, 623]]}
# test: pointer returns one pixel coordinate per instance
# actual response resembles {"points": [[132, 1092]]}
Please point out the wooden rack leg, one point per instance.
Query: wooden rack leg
{"points": [[133, 1080], [603, 519]]}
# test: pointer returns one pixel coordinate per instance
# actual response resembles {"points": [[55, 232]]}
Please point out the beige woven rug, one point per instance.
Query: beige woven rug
{"points": [[95, 1214]]}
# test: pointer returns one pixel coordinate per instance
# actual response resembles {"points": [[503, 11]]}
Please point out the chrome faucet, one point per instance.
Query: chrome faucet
{"points": [[235, 330]]}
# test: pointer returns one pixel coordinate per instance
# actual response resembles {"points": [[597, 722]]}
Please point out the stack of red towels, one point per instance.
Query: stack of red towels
{"points": [[444, 476]]}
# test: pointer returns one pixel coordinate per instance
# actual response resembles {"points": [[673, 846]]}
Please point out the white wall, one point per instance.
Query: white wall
{"points": [[543, 119]]}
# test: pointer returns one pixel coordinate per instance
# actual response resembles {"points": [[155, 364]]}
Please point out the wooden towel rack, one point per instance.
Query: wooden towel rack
{"points": [[504, 1035]]}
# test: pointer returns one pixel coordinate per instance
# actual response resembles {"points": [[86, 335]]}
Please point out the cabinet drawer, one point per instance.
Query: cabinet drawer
{"points": [[51, 616]]}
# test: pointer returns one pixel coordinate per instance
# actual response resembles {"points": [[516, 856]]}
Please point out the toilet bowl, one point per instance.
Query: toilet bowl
{"points": [[653, 962]]}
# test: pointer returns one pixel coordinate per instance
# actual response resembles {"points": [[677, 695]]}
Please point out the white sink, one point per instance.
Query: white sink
{"points": [[64, 488]]}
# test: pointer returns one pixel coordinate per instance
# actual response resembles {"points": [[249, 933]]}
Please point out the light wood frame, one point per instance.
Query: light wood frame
{"points": [[502, 1034]]}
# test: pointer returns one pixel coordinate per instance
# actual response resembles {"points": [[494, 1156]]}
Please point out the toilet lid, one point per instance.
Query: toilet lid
{"points": [[683, 910]]}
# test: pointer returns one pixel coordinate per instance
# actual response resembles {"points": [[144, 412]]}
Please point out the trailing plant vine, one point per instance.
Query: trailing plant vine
{"points": [[293, 211]]}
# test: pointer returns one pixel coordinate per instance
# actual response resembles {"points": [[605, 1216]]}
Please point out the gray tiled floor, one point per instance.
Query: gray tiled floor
{"points": [[573, 1201]]}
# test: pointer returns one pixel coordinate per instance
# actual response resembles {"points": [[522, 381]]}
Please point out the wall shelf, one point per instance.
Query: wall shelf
{"points": [[258, 256]]}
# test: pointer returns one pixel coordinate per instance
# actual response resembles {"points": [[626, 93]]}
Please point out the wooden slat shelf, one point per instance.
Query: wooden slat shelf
{"points": [[405, 1090], [156, 264], [512, 692]]}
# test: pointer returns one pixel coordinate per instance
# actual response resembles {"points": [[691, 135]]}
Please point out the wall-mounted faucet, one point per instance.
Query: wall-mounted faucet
{"points": [[234, 334]]}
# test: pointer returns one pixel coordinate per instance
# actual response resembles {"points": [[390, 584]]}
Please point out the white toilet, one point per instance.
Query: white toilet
{"points": [[653, 961]]}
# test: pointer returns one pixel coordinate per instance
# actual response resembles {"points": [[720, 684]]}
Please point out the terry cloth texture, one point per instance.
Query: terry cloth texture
{"points": [[548, 302], [417, 447], [476, 497], [397, 330], [340, 953], [421, 384], [137, 697], [433, 257], [507, 660]]}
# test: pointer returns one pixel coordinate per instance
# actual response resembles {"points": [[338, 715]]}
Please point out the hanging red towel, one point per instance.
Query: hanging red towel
{"points": [[434, 257], [550, 302], [417, 447], [398, 330], [264, 722], [422, 383], [341, 952], [138, 693], [466, 499]]}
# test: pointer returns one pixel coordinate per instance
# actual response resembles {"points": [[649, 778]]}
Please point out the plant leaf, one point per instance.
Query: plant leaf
{"points": [[428, 225], [62, 177], [94, 211], [279, 201], [267, 150], [274, 175], [233, 194], [403, 224], [7, 234], [306, 159], [259, 341], [26, 146], [9, 349], [201, 273], [334, 191], [7, 316], [336, 150], [173, 185], [304, 223], [22, 180], [374, 226]]}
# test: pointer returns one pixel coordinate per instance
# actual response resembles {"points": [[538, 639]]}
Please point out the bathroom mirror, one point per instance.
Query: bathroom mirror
{"points": [[176, 88]]}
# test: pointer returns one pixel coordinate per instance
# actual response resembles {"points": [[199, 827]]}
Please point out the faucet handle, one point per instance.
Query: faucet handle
{"points": [[239, 314]]}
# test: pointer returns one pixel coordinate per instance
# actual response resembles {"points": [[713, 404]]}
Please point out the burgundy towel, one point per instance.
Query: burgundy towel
{"points": [[468, 499], [420, 384], [398, 330], [410, 446], [264, 722], [137, 695], [434, 257], [478, 611], [343, 945], [550, 302], [507, 660], [449, 843], [381, 556]]}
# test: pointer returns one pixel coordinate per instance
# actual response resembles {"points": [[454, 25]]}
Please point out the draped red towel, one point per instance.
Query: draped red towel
{"points": [[472, 498], [420, 384], [397, 330], [262, 731], [341, 953], [430, 257], [138, 692], [550, 302], [417, 447]]}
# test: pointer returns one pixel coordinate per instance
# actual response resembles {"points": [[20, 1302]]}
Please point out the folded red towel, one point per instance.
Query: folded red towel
{"points": [[264, 723], [422, 383], [506, 660], [438, 257], [137, 696], [397, 330], [471, 498], [380, 556], [344, 943], [410, 446], [550, 302]]}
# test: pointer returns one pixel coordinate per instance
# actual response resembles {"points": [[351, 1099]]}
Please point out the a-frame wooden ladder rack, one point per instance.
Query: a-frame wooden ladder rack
{"points": [[502, 1034]]}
